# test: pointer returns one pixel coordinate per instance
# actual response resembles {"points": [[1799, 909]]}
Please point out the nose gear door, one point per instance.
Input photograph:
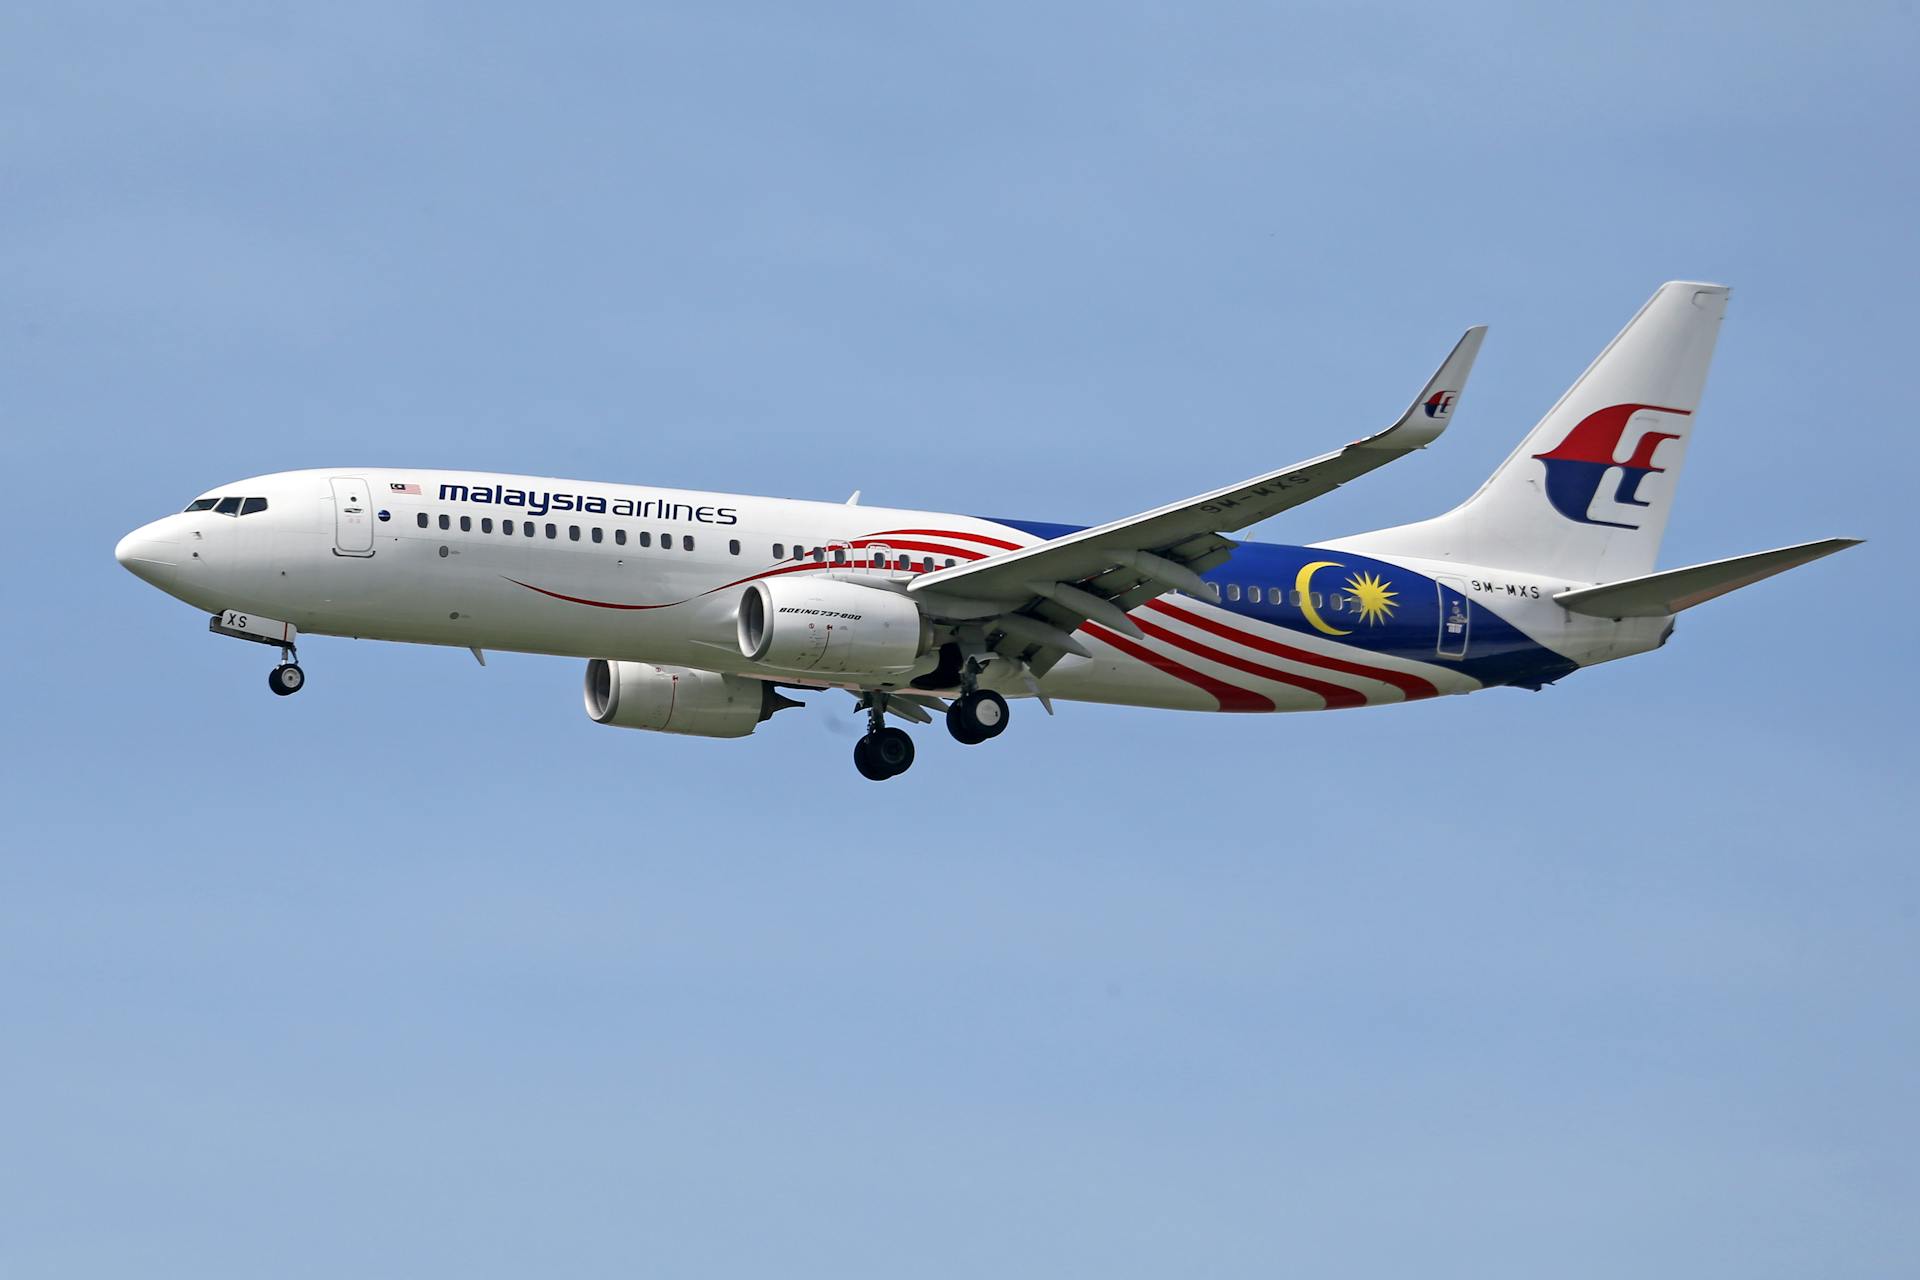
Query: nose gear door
{"points": [[352, 517]]}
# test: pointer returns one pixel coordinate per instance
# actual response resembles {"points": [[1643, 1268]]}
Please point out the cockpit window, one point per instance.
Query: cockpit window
{"points": [[227, 507], [252, 505], [202, 504]]}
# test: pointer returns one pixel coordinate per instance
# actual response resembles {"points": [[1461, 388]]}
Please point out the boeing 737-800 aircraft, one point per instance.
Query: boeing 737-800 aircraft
{"points": [[695, 611]]}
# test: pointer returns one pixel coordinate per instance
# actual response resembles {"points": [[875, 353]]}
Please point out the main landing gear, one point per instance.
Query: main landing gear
{"points": [[884, 751], [975, 716], [887, 752]]}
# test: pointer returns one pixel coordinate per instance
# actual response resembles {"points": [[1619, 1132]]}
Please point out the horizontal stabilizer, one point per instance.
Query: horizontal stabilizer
{"points": [[1659, 595]]}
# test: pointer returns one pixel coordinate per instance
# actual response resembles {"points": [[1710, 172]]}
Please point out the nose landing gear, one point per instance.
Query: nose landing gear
{"points": [[285, 679]]}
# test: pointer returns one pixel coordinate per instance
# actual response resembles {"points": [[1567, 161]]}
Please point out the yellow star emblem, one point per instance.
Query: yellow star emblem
{"points": [[1373, 597]]}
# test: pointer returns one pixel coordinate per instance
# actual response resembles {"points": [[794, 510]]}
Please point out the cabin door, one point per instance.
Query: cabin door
{"points": [[352, 517]]}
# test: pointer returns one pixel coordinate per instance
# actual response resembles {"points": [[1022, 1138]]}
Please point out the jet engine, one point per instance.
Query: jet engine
{"points": [[830, 626], [704, 704]]}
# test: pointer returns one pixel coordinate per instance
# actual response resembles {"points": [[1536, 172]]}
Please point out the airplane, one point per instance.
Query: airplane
{"points": [[699, 613]]}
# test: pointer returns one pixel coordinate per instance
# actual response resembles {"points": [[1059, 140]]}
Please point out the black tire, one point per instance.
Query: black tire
{"points": [[892, 750], [863, 760], [286, 678], [962, 727], [977, 716]]}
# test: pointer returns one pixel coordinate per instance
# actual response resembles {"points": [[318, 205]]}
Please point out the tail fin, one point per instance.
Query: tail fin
{"points": [[1587, 494]]}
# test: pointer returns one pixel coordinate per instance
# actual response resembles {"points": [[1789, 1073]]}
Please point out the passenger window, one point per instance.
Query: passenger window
{"points": [[202, 504], [620, 537], [1233, 591], [686, 542], [445, 523], [1293, 597], [526, 527], [486, 524], [819, 555], [553, 531], [597, 535], [252, 505], [949, 563], [839, 555], [573, 533], [733, 547], [1213, 588], [227, 507], [646, 539], [423, 519], [466, 524], [926, 565], [1254, 595], [779, 551], [666, 542]]}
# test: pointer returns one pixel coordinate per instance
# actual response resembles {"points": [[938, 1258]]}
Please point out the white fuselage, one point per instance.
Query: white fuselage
{"points": [[592, 570]]}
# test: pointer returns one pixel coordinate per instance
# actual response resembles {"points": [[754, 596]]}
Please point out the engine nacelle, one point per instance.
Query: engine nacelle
{"points": [[830, 627], [705, 704]]}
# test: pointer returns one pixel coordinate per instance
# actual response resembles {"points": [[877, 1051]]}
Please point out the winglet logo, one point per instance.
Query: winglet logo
{"points": [[1578, 465], [1439, 404]]}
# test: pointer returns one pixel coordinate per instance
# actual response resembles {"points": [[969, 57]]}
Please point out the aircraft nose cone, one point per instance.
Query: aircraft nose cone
{"points": [[146, 555]]}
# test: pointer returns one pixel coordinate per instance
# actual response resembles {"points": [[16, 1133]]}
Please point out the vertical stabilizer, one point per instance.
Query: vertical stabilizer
{"points": [[1587, 494]]}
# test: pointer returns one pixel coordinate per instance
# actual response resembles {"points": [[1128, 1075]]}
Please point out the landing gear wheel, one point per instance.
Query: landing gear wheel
{"points": [[883, 754], [286, 678], [975, 717], [863, 761]]}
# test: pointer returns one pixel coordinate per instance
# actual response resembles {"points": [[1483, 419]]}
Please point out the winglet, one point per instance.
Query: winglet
{"points": [[1427, 416]]}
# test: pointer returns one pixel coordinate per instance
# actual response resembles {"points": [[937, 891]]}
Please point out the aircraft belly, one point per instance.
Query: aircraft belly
{"points": [[1117, 680]]}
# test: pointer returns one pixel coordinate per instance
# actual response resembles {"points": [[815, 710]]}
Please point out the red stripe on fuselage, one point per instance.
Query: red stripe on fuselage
{"points": [[1230, 697], [803, 566], [598, 604], [1334, 695], [940, 548], [982, 538], [1411, 686]]}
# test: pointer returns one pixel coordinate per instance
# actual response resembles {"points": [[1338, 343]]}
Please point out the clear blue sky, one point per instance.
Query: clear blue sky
{"points": [[422, 973]]}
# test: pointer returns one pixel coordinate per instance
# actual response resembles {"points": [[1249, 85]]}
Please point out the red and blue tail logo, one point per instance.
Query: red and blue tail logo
{"points": [[1578, 465], [1439, 404]]}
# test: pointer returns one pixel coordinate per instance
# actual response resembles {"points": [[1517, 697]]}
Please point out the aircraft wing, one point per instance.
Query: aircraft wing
{"points": [[1099, 573]]}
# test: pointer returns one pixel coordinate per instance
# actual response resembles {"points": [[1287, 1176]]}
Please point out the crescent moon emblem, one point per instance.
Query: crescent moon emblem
{"points": [[1303, 584]]}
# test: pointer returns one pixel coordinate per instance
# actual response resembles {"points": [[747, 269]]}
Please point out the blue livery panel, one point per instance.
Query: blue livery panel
{"points": [[1370, 605]]}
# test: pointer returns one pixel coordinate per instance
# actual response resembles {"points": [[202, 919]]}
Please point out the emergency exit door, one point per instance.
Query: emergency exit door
{"points": [[1456, 618], [352, 517]]}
